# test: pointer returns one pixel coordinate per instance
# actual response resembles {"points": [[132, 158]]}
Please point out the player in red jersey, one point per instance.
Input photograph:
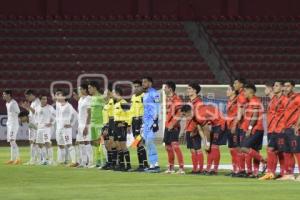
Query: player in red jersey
{"points": [[276, 108], [231, 110], [252, 130], [172, 130], [193, 139], [290, 123]]}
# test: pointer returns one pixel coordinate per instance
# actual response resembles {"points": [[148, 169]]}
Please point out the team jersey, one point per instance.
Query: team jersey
{"points": [[137, 108], [209, 115], [173, 111], [44, 115], [241, 103], [65, 114], [275, 110], [34, 104], [151, 100], [108, 111], [13, 111], [231, 110], [97, 104], [84, 104], [254, 104], [191, 125], [122, 114]]}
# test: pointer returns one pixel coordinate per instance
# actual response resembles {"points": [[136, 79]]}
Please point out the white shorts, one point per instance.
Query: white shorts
{"points": [[64, 137], [32, 135], [12, 132], [83, 138], [43, 136]]}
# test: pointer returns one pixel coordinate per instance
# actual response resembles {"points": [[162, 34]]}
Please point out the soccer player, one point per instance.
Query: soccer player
{"points": [[276, 108], [211, 125], [193, 138], [108, 121], [12, 126], [172, 128], [237, 123], [66, 118], [151, 100], [137, 112], [289, 122], [122, 121], [253, 131], [96, 121], [84, 132], [34, 101], [232, 138], [45, 118]]}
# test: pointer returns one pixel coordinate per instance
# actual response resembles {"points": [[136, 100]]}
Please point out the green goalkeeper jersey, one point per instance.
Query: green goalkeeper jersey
{"points": [[97, 104]]}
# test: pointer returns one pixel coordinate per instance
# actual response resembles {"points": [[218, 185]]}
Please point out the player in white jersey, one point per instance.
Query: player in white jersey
{"points": [[12, 126], [45, 117], [31, 104], [84, 135], [66, 118]]}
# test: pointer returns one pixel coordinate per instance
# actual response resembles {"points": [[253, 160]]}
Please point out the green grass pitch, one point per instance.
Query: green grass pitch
{"points": [[61, 183]]}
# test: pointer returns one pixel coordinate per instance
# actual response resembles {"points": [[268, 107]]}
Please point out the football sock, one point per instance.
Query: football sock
{"points": [[178, 152], [171, 156]]}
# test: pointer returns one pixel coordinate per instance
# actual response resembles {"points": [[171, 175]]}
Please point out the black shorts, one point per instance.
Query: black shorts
{"points": [[241, 136], [272, 140], [193, 142], [254, 141], [136, 126], [293, 141], [171, 136], [217, 136], [233, 139], [120, 133], [110, 128], [281, 143]]}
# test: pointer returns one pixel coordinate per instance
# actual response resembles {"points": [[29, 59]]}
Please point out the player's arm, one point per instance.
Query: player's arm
{"points": [[156, 101], [176, 119], [253, 121], [204, 132], [73, 118]]}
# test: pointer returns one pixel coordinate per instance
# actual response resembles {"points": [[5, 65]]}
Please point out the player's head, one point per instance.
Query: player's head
{"points": [[44, 100], [117, 93], [147, 82], [250, 90], [84, 89], [231, 91], [138, 88], [193, 90], [93, 87], [170, 87], [60, 95], [277, 87], [30, 95], [24, 116], [186, 111], [289, 87], [269, 89], [75, 94], [239, 83], [7, 95]]}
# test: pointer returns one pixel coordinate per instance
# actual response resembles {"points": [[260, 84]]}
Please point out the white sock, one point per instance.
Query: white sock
{"points": [[39, 153], [90, 154], [44, 154], [78, 153], [14, 150], [83, 154], [50, 154], [104, 151], [66, 155], [71, 151], [32, 152]]}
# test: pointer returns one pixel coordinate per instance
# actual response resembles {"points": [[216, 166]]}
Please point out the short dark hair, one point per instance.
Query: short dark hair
{"points": [[8, 91], [110, 87], [186, 108], [75, 90], [84, 86], [171, 85], [196, 87], [291, 82], [119, 91], [30, 92], [269, 83], [235, 91], [148, 78], [250, 86], [24, 113], [95, 84], [241, 80], [138, 82], [62, 91], [281, 82]]}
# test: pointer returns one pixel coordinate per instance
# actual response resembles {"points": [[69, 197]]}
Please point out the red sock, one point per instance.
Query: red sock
{"points": [[281, 162], [209, 160], [288, 160], [200, 160], [178, 153], [297, 155], [256, 167], [248, 159], [255, 155], [171, 156], [234, 155], [194, 161], [271, 161], [293, 162], [241, 161], [216, 157]]}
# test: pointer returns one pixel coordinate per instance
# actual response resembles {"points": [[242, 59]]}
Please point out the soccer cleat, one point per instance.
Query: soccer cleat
{"points": [[140, 169], [153, 170], [195, 172], [212, 173], [267, 176], [229, 174], [180, 172], [241, 174], [17, 162], [289, 177], [298, 178], [73, 165], [10, 162], [107, 166], [170, 171]]}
